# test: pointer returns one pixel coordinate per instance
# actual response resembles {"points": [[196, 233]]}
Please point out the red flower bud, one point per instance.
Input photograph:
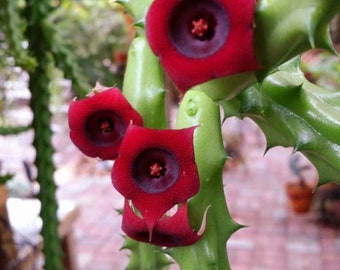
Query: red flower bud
{"points": [[98, 123]]}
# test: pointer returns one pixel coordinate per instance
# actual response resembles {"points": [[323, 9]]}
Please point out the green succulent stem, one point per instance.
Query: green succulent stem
{"points": [[144, 256], [36, 12], [285, 29], [143, 84], [44, 164], [144, 88], [293, 112], [227, 87], [197, 109]]}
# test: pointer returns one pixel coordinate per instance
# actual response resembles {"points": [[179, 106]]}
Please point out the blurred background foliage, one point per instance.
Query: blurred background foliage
{"points": [[97, 33], [322, 68]]}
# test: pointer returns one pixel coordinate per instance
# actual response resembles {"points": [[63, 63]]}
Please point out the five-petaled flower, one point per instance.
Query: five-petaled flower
{"points": [[198, 40], [98, 122], [155, 170]]}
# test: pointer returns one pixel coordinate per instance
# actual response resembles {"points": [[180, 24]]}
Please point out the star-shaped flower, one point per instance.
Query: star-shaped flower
{"points": [[156, 170], [199, 40], [98, 122]]}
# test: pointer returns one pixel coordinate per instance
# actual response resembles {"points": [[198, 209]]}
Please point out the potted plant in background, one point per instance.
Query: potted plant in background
{"points": [[300, 193]]}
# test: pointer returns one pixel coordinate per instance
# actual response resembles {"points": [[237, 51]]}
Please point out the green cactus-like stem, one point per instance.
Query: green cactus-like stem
{"points": [[227, 87], [285, 29], [44, 164], [144, 256], [36, 12], [197, 109], [143, 84], [144, 88], [293, 112], [289, 88]]}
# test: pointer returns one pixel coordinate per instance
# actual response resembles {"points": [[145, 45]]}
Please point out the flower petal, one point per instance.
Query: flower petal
{"points": [[198, 40], [98, 123], [170, 232], [156, 169]]}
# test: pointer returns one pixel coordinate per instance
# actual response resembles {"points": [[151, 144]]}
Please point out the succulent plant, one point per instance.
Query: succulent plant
{"points": [[246, 60]]}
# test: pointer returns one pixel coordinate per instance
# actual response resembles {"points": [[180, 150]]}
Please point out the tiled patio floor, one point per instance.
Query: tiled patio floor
{"points": [[275, 239]]}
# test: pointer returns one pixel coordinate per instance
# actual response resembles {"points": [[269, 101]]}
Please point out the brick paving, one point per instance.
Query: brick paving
{"points": [[274, 239]]}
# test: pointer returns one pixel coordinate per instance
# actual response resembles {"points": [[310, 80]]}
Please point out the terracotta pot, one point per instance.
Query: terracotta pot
{"points": [[300, 197]]}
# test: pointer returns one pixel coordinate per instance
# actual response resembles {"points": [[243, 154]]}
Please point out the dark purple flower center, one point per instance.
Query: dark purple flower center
{"points": [[155, 170], [105, 128], [198, 28]]}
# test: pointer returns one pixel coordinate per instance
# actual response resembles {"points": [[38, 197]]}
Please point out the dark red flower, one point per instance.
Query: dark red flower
{"points": [[198, 40], [98, 123], [169, 231], [156, 170]]}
